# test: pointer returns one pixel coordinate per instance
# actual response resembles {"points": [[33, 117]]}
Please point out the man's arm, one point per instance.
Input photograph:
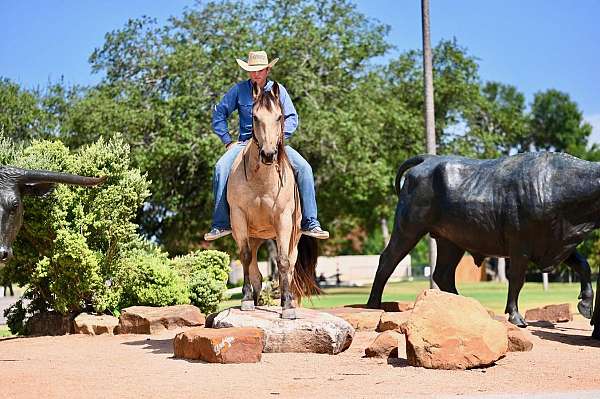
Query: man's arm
{"points": [[289, 112], [221, 112]]}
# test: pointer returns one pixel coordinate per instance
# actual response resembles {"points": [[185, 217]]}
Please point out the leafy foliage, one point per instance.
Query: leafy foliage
{"points": [[71, 239], [206, 273]]}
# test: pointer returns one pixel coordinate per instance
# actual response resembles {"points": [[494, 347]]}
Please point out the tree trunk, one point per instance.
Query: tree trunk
{"points": [[429, 112], [385, 232], [502, 270]]}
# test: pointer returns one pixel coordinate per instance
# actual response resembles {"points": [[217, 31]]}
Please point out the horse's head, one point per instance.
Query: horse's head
{"points": [[267, 122]]}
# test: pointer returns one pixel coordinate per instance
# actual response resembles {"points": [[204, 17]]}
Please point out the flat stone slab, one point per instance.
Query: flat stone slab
{"points": [[552, 313], [155, 320], [359, 318], [398, 306], [90, 324], [225, 345], [311, 332]]}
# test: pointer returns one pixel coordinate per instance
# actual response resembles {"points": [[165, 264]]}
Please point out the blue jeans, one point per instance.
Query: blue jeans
{"points": [[304, 179]]}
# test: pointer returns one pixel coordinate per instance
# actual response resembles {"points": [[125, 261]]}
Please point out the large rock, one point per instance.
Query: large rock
{"points": [[393, 321], [447, 331], [49, 323], [154, 320], [552, 313], [359, 318], [226, 345], [311, 331], [91, 324], [385, 345]]}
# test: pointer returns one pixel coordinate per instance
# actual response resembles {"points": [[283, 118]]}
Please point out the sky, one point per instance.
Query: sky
{"points": [[534, 45]]}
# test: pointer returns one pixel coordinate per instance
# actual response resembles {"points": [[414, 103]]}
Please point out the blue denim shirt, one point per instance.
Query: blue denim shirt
{"points": [[240, 97]]}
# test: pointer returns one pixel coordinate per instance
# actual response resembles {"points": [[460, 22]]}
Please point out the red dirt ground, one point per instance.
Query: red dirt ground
{"points": [[564, 359]]}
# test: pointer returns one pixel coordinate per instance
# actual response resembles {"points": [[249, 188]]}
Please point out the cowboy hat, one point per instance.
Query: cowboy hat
{"points": [[257, 60]]}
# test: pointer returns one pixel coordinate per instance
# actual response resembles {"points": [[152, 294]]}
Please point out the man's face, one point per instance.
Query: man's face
{"points": [[260, 77]]}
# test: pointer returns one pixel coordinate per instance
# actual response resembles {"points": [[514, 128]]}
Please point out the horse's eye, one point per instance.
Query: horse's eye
{"points": [[278, 118]]}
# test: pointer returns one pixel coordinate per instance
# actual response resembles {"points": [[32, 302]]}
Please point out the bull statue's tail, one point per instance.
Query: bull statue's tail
{"points": [[406, 165], [304, 283]]}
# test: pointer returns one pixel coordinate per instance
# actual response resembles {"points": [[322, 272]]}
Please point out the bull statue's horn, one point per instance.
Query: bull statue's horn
{"points": [[27, 176]]}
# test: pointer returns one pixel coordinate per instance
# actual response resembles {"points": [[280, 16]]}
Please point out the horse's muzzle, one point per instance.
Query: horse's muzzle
{"points": [[268, 157]]}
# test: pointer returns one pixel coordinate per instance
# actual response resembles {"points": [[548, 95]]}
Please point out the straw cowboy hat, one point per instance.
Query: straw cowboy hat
{"points": [[257, 60]]}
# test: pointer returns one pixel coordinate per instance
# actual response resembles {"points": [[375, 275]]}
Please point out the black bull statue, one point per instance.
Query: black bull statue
{"points": [[532, 207], [16, 182]]}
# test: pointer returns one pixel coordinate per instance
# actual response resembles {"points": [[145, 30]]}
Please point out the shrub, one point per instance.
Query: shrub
{"points": [[72, 239], [79, 248], [146, 277], [206, 274]]}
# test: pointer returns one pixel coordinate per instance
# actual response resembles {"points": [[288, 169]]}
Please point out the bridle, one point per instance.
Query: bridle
{"points": [[279, 147]]}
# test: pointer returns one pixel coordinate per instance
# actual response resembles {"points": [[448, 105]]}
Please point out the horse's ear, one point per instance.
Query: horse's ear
{"points": [[255, 91], [275, 90]]}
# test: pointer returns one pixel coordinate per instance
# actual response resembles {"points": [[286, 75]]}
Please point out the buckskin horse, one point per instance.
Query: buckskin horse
{"points": [[265, 204]]}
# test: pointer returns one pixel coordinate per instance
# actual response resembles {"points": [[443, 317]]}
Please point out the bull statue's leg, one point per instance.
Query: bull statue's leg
{"points": [[255, 275], [596, 314], [516, 279], [448, 256], [401, 243], [578, 263]]}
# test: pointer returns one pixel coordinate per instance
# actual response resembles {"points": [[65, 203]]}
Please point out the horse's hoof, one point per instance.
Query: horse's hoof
{"points": [[585, 309], [288, 314], [517, 320], [248, 305]]}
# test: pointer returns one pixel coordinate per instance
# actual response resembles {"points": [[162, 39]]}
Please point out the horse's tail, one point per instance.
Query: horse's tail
{"points": [[406, 165], [304, 282]]}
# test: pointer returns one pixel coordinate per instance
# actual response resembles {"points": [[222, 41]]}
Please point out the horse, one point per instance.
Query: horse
{"points": [[264, 204]]}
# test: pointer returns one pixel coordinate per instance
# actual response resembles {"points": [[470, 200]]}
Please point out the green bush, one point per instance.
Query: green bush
{"points": [[79, 248], [146, 277], [73, 239], [206, 275]]}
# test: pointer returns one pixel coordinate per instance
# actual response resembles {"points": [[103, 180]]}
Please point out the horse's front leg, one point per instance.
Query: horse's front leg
{"points": [[255, 274], [285, 266], [240, 235]]}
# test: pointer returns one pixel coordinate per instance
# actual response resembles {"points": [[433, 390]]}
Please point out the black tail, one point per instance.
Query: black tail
{"points": [[304, 282], [406, 165]]}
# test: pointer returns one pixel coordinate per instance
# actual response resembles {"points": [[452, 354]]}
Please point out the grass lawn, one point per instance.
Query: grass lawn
{"points": [[492, 295], [4, 331]]}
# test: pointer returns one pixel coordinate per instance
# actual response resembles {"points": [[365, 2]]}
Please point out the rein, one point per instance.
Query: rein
{"points": [[280, 148]]}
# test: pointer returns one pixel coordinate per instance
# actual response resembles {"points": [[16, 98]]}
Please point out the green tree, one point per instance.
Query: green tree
{"points": [[496, 123], [161, 83], [557, 124], [23, 113]]}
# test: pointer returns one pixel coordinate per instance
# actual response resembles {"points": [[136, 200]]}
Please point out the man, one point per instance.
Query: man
{"points": [[239, 98]]}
